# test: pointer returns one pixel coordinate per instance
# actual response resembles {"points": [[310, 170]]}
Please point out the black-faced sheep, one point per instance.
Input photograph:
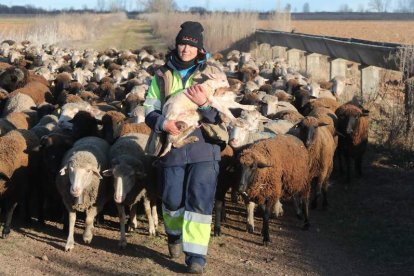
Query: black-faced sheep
{"points": [[353, 135], [80, 183], [133, 179], [13, 78], [272, 169]]}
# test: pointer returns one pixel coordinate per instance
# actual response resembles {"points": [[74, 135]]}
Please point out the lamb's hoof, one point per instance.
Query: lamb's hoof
{"points": [[6, 232], [217, 231], [306, 226], [69, 246], [250, 229], [87, 238], [122, 244]]}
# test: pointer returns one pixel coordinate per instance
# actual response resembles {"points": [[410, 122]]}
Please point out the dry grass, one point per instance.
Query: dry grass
{"points": [[221, 30], [60, 29]]}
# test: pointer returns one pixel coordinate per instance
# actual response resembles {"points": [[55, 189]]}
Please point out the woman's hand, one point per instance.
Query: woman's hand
{"points": [[171, 127], [197, 95]]}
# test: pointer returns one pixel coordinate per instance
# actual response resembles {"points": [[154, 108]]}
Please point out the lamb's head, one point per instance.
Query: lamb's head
{"points": [[215, 81], [250, 161], [81, 169], [125, 172]]}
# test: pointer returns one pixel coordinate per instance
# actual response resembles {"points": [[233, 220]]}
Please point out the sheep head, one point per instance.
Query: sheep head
{"points": [[250, 161]]}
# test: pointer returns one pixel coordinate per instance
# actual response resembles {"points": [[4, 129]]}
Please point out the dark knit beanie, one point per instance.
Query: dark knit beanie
{"points": [[191, 33]]}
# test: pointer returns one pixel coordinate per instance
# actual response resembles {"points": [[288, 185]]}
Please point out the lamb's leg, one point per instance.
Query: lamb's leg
{"points": [[9, 216], [167, 149], [70, 243], [242, 106], [188, 140], [250, 216], [266, 219], [122, 220], [182, 139], [297, 204], [147, 207], [90, 216], [133, 223]]}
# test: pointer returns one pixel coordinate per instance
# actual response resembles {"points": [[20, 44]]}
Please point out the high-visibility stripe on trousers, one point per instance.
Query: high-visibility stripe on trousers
{"points": [[188, 199]]}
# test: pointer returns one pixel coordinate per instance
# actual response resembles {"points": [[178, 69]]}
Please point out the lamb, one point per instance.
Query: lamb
{"points": [[290, 115], [18, 103], [80, 183], [321, 146], [272, 169], [39, 92], [179, 106], [133, 179], [17, 166], [353, 135], [320, 102]]}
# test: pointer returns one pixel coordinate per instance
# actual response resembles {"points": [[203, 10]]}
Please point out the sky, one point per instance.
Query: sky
{"points": [[228, 5]]}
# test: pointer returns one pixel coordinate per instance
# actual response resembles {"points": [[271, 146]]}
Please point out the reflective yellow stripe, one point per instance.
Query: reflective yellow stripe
{"points": [[173, 220], [196, 233]]}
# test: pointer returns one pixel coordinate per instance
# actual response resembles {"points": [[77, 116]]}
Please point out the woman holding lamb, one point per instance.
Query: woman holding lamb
{"points": [[188, 174]]}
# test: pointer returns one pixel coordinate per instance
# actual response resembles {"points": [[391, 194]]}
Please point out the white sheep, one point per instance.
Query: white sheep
{"points": [[80, 183]]}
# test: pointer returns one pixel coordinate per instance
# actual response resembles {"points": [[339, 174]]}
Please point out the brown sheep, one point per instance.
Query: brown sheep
{"points": [[37, 91], [141, 128], [274, 168], [321, 147], [13, 78], [320, 102], [37, 78], [353, 136], [19, 119], [289, 115]]}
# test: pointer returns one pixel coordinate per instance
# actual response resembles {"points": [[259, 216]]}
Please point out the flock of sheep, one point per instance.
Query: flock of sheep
{"points": [[73, 137]]}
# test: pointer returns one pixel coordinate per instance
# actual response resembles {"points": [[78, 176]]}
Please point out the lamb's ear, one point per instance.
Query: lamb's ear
{"points": [[313, 97], [108, 173], [365, 113], [63, 170]]}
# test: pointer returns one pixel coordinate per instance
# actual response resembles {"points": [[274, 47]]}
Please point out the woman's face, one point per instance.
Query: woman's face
{"points": [[187, 52]]}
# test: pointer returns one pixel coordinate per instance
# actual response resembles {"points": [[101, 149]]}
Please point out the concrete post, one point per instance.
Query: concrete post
{"points": [[254, 46], [370, 82], [265, 51], [313, 65], [338, 68], [278, 52], [293, 57]]}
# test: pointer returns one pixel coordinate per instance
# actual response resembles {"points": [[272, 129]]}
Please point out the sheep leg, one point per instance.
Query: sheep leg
{"points": [[154, 213], [266, 219], [70, 243], [9, 216], [147, 207], [315, 194], [218, 207], [122, 219], [182, 139], [325, 195], [305, 210], [348, 168], [188, 140], [242, 106], [250, 216], [133, 223], [90, 217], [298, 209], [278, 209]]}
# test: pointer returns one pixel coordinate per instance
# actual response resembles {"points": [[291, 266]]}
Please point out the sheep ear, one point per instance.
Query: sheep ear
{"points": [[261, 164], [96, 172], [322, 124], [313, 97], [108, 173], [5, 177], [63, 170], [365, 113]]}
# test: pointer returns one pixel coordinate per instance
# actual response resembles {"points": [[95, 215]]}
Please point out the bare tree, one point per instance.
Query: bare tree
{"points": [[306, 7], [405, 6], [157, 5], [344, 8], [361, 8], [100, 5], [379, 5], [288, 7]]}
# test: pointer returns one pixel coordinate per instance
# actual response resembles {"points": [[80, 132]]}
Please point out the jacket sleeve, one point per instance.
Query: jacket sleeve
{"points": [[152, 105], [210, 115]]}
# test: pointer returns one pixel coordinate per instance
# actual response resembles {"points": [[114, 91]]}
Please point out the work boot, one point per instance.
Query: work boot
{"points": [[195, 268], [175, 249]]}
